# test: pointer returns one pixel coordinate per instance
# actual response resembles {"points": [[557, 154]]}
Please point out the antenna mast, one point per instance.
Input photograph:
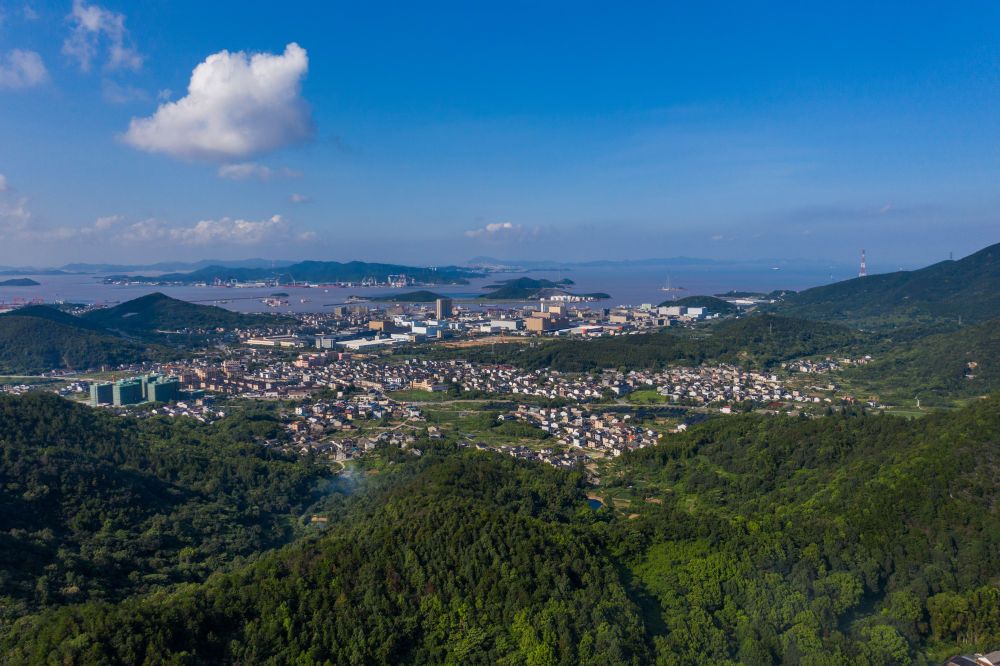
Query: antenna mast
{"points": [[863, 271]]}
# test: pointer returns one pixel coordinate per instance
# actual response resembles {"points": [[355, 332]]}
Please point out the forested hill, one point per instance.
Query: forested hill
{"points": [[159, 312], [96, 507], [968, 289], [936, 368], [756, 341], [844, 540], [37, 339], [450, 558], [850, 540]]}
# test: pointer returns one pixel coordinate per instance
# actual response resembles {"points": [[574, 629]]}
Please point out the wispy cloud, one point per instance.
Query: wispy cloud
{"points": [[254, 171], [22, 69], [228, 231], [92, 25]]}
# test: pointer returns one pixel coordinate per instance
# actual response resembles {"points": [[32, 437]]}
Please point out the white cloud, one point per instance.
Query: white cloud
{"points": [[237, 105], [500, 231], [89, 24], [22, 69], [227, 230], [144, 231], [3, 183], [297, 198], [29, 13]]}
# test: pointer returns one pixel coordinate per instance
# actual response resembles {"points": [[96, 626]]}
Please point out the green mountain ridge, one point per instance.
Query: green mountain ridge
{"points": [[755, 341], [966, 289], [38, 338], [158, 311]]}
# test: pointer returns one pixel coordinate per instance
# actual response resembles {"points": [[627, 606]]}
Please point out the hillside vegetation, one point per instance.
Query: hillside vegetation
{"points": [[757, 341], [447, 558], [936, 368], [159, 312], [38, 339], [935, 295], [850, 540], [98, 507]]}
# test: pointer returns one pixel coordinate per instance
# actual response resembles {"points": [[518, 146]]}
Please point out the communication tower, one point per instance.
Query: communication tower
{"points": [[863, 271]]}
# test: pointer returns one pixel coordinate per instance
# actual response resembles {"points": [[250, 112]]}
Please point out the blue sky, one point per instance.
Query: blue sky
{"points": [[436, 132]]}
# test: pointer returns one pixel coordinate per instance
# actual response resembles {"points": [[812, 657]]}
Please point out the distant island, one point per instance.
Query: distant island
{"points": [[422, 296], [312, 272], [19, 282], [526, 289]]}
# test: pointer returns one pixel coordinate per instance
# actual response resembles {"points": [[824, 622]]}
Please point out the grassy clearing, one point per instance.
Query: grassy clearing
{"points": [[647, 397]]}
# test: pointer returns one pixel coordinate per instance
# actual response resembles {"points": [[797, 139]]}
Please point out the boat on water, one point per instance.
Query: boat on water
{"points": [[669, 287]]}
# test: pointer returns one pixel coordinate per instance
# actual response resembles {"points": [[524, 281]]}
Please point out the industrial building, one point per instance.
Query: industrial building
{"points": [[101, 394], [163, 389], [442, 308], [134, 390], [127, 392]]}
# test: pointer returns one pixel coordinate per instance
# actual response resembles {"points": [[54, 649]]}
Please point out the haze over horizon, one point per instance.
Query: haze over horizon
{"points": [[434, 134]]}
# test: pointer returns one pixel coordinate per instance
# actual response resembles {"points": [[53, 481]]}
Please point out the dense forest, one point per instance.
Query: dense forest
{"points": [[38, 339], [936, 368], [758, 341], [41, 338], [154, 312], [849, 539], [94, 506]]}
